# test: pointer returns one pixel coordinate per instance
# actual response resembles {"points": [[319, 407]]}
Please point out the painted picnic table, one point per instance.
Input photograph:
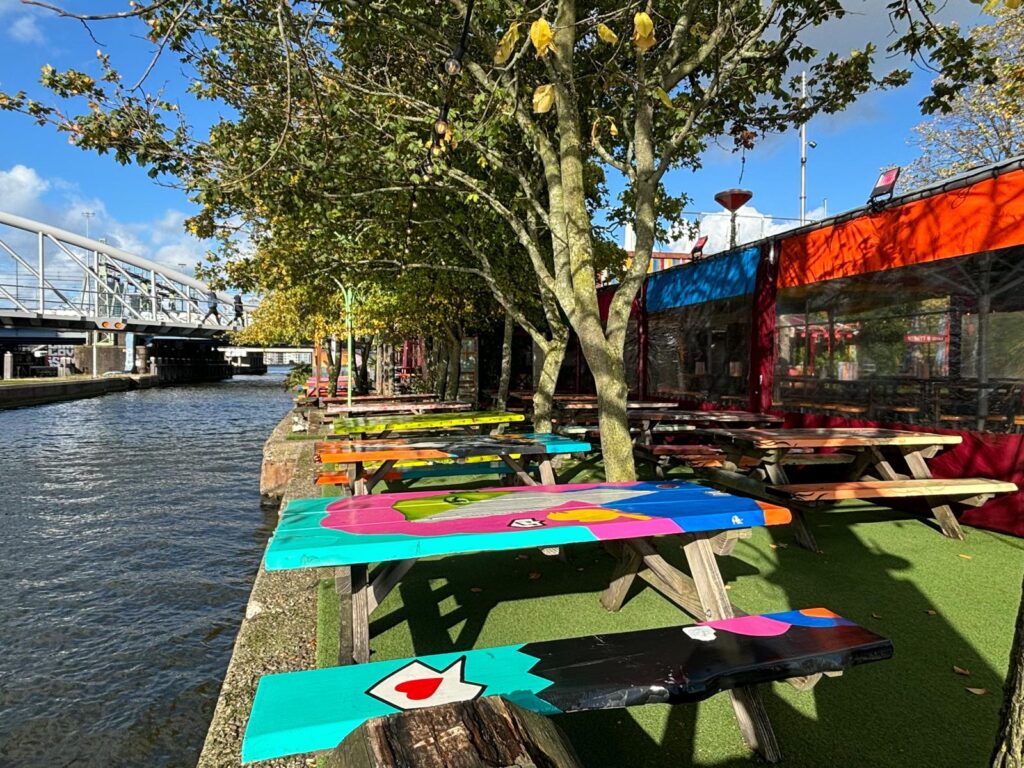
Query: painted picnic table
{"points": [[396, 529], [386, 425], [384, 407], [513, 451], [881, 464]]}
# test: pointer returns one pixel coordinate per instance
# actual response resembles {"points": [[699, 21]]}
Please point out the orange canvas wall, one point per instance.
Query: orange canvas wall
{"points": [[984, 216]]}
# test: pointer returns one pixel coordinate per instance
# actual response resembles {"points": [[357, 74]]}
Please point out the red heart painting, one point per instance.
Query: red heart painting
{"points": [[417, 690]]}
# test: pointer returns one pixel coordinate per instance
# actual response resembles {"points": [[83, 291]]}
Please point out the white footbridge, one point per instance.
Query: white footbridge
{"points": [[52, 278]]}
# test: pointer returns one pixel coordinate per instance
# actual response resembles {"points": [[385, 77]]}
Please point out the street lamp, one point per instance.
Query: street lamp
{"points": [[732, 200]]}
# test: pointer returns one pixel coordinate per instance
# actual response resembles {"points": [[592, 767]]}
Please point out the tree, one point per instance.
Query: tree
{"points": [[984, 124], [1009, 749], [542, 101]]}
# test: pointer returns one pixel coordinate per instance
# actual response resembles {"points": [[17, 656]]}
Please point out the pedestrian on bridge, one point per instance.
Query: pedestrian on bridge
{"points": [[212, 309]]}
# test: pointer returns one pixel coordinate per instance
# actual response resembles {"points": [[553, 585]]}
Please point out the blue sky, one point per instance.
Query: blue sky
{"points": [[44, 177]]}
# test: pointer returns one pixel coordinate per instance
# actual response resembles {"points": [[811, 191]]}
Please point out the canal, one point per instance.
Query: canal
{"points": [[131, 534]]}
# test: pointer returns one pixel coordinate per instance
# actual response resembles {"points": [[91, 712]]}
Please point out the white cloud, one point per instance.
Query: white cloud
{"points": [[25, 30], [59, 203]]}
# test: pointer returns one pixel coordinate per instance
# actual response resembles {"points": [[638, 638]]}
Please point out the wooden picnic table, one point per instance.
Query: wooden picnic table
{"points": [[384, 407], [670, 420], [403, 398], [383, 426], [513, 451], [881, 463], [396, 529]]}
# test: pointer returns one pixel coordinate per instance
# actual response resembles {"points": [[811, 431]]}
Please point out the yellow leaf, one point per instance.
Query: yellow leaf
{"points": [[543, 98], [612, 128], [643, 31], [607, 36], [541, 36], [507, 45], [663, 97], [594, 130]]}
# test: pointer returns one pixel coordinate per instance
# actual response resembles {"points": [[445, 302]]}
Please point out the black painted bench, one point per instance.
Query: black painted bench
{"points": [[299, 712]]}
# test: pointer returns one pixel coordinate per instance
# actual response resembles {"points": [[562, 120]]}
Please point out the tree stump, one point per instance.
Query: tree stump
{"points": [[484, 733]]}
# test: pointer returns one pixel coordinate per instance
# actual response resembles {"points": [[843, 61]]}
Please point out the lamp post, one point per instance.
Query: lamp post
{"points": [[732, 200]]}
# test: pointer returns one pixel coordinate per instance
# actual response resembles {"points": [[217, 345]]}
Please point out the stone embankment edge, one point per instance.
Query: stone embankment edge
{"points": [[39, 392], [278, 633]]}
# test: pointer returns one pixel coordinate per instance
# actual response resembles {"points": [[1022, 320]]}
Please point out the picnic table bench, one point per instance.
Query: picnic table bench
{"points": [[396, 529], [886, 464], [299, 712], [513, 452]]}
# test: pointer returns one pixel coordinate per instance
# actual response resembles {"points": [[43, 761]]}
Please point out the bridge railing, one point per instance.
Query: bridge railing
{"points": [[51, 274]]}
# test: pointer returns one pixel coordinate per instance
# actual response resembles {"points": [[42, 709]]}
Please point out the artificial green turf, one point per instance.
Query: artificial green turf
{"points": [[884, 572], [327, 624]]}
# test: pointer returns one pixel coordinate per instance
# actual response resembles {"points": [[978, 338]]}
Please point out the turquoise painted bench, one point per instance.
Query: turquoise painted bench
{"points": [[299, 712]]}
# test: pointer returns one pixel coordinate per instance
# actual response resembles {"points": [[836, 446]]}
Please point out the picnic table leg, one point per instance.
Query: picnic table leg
{"points": [[622, 577], [941, 512], [358, 483], [777, 476], [521, 473], [755, 728], [378, 475], [547, 472], [360, 614]]}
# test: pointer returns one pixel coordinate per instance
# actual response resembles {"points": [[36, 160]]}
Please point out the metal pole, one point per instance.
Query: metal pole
{"points": [[803, 152], [348, 329], [41, 275], [152, 291]]}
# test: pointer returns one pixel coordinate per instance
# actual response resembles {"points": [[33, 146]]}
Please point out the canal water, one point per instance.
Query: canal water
{"points": [[130, 534]]}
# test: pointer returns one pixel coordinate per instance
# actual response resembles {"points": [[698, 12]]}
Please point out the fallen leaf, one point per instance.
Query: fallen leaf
{"points": [[522, 557], [930, 612], [606, 34], [541, 36], [476, 589], [543, 98], [727, 586], [580, 568], [965, 557], [875, 616], [534, 575], [977, 691], [507, 45], [961, 671]]}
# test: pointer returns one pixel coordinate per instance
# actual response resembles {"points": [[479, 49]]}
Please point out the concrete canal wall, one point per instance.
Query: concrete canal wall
{"points": [[36, 392], [278, 633]]}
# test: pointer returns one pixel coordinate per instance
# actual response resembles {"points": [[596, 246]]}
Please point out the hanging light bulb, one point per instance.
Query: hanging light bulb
{"points": [[452, 66]]}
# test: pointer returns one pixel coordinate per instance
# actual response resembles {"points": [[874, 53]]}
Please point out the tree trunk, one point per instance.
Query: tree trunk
{"points": [[439, 367], [1009, 751], [482, 733], [364, 374], [544, 394], [506, 363], [388, 366], [610, 378], [454, 367], [333, 368]]}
